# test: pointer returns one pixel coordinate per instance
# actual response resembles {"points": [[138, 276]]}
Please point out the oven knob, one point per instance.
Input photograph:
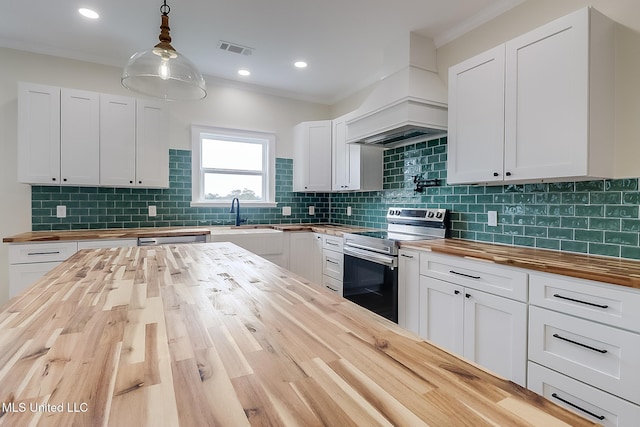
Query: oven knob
{"points": [[398, 212], [429, 214], [439, 215]]}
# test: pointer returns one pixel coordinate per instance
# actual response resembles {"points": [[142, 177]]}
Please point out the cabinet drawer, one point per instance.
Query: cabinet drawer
{"points": [[21, 276], [332, 284], [115, 243], [603, 356], [41, 252], [332, 264], [498, 280], [591, 403], [333, 243], [601, 302]]}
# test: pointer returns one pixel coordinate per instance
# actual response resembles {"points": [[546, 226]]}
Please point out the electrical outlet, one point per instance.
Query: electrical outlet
{"points": [[152, 210], [348, 210], [61, 211], [312, 210], [492, 218], [286, 211]]}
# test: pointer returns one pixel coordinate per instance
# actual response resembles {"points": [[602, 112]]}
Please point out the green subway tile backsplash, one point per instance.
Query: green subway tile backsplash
{"points": [[599, 217], [105, 207]]}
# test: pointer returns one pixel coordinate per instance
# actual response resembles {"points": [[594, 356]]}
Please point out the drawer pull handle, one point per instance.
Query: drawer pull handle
{"points": [[332, 243], [581, 302], [43, 253], [407, 256], [555, 396], [330, 288], [580, 344], [465, 275], [330, 261]]}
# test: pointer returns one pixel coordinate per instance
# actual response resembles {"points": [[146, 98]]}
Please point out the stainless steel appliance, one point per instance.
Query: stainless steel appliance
{"points": [[150, 241], [371, 257]]}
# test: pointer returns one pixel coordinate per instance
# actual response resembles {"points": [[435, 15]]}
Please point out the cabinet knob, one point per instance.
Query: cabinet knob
{"points": [[64, 179], [53, 179], [456, 292], [508, 174], [496, 174], [139, 182], [467, 295], [131, 182]]}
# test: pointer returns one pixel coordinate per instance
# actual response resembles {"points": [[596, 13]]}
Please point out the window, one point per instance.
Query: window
{"points": [[231, 163]]}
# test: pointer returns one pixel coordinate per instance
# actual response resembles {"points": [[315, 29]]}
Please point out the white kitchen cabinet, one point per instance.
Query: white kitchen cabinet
{"points": [[558, 105], [409, 290], [354, 166], [152, 148], [332, 263], [312, 156], [38, 134], [487, 329], [463, 309], [476, 119], [79, 137], [305, 255], [117, 141], [585, 400], [587, 332]]}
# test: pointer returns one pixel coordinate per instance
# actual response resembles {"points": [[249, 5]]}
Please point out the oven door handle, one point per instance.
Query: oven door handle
{"points": [[386, 260]]}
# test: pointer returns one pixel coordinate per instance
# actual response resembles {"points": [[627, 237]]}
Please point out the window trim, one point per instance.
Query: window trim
{"points": [[197, 175]]}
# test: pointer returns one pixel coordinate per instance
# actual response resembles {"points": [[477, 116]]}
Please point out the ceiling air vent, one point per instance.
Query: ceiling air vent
{"points": [[235, 48]]}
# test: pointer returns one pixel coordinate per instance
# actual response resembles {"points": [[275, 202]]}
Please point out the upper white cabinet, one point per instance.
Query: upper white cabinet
{"points": [[151, 144], [312, 156], [118, 140], [79, 137], [355, 166], [545, 97], [73, 137], [38, 134]]}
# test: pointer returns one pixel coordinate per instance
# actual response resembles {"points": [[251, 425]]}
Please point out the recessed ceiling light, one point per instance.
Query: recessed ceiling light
{"points": [[244, 72], [300, 64], [88, 13]]}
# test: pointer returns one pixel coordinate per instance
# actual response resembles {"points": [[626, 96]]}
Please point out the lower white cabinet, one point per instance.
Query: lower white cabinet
{"points": [[588, 401], [332, 263], [487, 329], [305, 255], [409, 290], [28, 262]]}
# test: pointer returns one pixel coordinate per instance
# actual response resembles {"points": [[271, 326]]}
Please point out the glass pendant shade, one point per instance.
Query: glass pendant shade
{"points": [[162, 72]]}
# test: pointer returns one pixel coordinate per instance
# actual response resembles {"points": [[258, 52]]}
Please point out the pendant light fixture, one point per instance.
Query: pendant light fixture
{"points": [[162, 72]]}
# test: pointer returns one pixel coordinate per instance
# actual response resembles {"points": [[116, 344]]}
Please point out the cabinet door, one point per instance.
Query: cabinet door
{"points": [[341, 155], [442, 313], [21, 276], [117, 140], [38, 134], [547, 100], [476, 119], [495, 334], [79, 137], [409, 290], [305, 259], [152, 149], [312, 151]]}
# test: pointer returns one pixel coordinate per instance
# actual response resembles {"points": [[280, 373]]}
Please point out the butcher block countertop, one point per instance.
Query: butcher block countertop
{"points": [[210, 334], [616, 271], [134, 233]]}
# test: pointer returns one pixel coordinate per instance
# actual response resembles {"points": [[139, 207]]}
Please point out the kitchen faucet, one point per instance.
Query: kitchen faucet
{"points": [[235, 210]]}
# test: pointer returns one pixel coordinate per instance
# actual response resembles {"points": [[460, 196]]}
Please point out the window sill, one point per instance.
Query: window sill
{"points": [[226, 204]]}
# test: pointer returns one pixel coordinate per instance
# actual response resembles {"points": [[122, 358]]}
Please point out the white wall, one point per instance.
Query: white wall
{"points": [[224, 106]]}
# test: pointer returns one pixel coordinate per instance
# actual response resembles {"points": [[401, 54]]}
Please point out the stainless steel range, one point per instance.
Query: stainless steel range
{"points": [[371, 257]]}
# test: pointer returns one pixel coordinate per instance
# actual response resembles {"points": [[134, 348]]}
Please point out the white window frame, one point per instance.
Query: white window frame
{"points": [[197, 172]]}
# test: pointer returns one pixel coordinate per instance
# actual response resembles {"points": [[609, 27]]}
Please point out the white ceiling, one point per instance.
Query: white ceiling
{"points": [[342, 40]]}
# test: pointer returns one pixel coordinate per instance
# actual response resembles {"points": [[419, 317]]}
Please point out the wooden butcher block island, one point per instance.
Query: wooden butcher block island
{"points": [[210, 334]]}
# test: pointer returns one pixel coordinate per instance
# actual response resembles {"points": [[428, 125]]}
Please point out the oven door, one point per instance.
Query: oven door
{"points": [[371, 281]]}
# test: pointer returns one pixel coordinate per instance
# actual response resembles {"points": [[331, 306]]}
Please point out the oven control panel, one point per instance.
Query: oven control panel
{"points": [[418, 214]]}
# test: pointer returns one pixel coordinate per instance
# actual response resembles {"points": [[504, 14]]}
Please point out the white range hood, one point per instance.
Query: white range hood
{"points": [[409, 104]]}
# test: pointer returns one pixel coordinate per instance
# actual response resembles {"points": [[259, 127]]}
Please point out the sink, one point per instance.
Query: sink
{"points": [[260, 241]]}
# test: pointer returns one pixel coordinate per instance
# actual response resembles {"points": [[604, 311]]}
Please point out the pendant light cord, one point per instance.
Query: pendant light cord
{"points": [[165, 8]]}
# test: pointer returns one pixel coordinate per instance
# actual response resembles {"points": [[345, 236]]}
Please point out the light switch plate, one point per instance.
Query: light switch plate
{"points": [[312, 210], [492, 218], [152, 210], [286, 211], [61, 211], [348, 210]]}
